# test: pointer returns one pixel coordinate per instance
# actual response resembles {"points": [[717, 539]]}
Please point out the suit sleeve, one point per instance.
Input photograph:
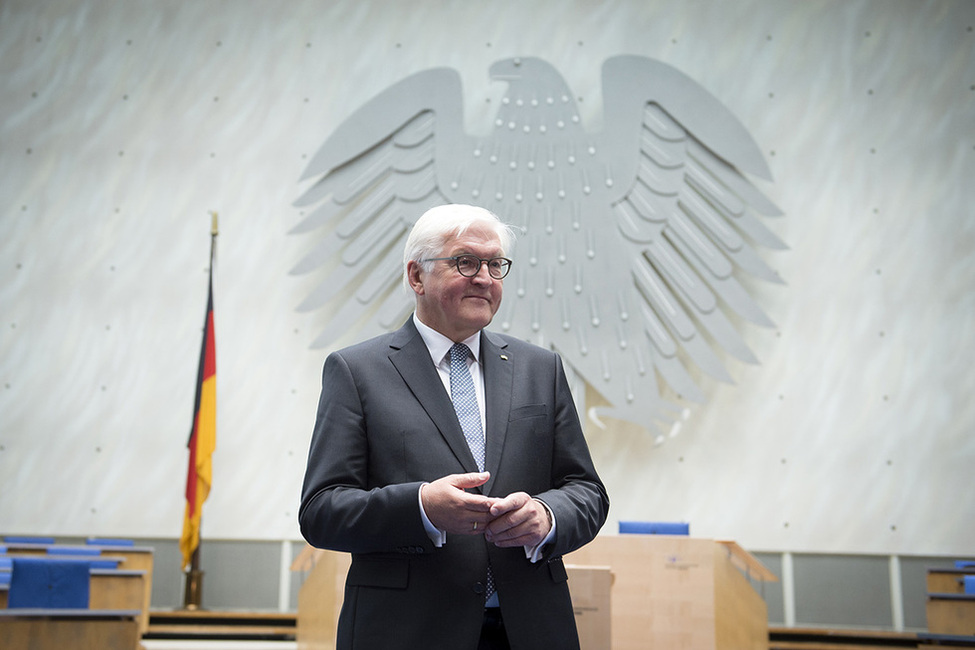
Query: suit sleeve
{"points": [[577, 498], [339, 509]]}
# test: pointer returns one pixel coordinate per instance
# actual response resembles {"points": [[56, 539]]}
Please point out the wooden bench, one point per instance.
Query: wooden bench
{"points": [[129, 558], [79, 629], [110, 589], [951, 614], [947, 581]]}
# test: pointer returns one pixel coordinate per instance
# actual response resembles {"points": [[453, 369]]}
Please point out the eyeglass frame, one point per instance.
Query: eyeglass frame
{"points": [[480, 262]]}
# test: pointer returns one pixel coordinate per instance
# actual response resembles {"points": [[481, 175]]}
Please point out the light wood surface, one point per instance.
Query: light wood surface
{"points": [[23, 629], [320, 598], [947, 581], [679, 593], [951, 614]]}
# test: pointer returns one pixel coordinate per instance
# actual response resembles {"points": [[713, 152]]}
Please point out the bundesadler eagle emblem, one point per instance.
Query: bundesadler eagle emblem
{"points": [[632, 242]]}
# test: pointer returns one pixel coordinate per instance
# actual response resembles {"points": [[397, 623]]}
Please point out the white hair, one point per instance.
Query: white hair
{"points": [[435, 226]]}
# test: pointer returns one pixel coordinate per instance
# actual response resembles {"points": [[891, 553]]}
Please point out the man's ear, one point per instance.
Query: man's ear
{"points": [[413, 275]]}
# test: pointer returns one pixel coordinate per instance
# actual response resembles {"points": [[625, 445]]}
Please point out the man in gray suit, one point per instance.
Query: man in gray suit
{"points": [[456, 476]]}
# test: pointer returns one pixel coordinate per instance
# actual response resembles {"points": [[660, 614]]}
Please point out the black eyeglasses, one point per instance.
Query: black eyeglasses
{"points": [[470, 265]]}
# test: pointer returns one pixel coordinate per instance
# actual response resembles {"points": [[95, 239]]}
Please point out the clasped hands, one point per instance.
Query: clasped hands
{"points": [[514, 520]]}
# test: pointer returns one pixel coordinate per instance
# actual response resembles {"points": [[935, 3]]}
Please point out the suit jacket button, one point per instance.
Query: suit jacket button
{"points": [[478, 588]]}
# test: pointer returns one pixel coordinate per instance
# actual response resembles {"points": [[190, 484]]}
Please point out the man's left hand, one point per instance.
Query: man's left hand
{"points": [[519, 521]]}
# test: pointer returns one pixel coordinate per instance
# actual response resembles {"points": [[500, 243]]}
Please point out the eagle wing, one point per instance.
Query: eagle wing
{"points": [[686, 216], [376, 174]]}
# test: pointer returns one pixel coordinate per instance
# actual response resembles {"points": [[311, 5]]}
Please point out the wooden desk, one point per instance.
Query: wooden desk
{"points": [[951, 614], [947, 581], [320, 598], [119, 589], [78, 629], [110, 589], [680, 593], [130, 558]]}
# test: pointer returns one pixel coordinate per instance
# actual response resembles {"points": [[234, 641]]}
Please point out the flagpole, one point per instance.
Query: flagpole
{"points": [[193, 593]]}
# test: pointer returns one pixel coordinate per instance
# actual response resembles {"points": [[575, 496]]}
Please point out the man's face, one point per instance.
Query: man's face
{"points": [[454, 305]]}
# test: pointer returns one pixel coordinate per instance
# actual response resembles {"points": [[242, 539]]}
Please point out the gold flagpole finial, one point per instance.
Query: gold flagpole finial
{"points": [[213, 227]]}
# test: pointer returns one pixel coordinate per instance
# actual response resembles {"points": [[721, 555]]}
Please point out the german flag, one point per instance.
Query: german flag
{"points": [[203, 437]]}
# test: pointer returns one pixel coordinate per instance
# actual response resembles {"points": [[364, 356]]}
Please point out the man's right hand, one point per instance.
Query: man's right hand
{"points": [[450, 508]]}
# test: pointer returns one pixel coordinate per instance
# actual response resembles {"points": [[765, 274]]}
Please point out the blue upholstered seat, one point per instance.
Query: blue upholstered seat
{"points": [[108, 541], [6, 567], [654, 528], [27, 539], [49, 584], [72, 550]]}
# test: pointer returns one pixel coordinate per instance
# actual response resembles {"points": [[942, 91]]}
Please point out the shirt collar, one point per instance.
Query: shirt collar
{"points": [[439, 345]]}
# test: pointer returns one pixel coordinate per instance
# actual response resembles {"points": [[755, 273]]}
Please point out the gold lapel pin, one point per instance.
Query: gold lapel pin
{"points": [[504, 357]]}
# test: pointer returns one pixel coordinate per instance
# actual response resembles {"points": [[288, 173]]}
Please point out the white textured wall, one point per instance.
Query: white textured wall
{"points": [[123, 123]]}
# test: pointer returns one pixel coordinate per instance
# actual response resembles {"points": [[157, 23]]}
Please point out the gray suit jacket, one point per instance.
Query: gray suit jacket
{"points": [[385, 424]]}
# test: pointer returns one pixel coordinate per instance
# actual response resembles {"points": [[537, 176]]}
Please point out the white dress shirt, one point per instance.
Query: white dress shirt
{"points": [[439, 347]]}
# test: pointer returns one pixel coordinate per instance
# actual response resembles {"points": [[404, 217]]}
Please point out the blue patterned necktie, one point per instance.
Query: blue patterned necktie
{"points": [[465, 402]]}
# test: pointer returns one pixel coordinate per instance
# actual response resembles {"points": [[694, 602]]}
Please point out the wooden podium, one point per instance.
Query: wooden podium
{"points": [[681, 593], [320, 598], [678, 593]]}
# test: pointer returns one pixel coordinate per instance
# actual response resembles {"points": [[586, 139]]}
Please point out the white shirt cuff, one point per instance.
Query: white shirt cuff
{"points": [[437, 536], [534, 553]]}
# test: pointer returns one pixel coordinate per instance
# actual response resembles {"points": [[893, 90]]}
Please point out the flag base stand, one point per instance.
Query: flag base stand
{"points": [[193, 594]]}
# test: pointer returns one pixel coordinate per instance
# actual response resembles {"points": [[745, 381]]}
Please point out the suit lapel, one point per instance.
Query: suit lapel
{"points": [[498, 377], [411, 358]]}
